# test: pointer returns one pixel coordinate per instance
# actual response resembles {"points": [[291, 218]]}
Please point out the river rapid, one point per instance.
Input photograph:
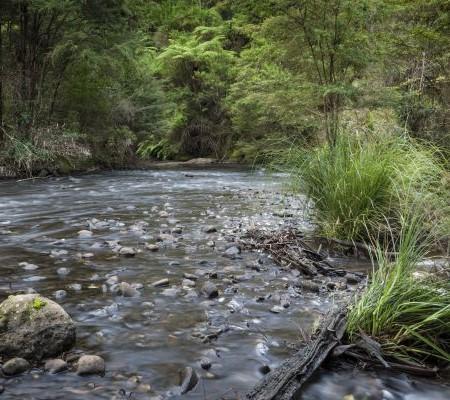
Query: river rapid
{"points": [[193, 216]]}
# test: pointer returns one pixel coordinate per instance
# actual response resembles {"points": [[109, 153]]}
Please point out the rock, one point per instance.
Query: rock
{"points": [[191, 277], [211, 243], [264, 369], [187, 283], [210, 290], [84, 234], [34, 327], [60, 294], [210, 229], [91, 365], [352, 279], [177, 230], [152, 247], [205, 363], [125, 289], [112, 280], [2, 389], [161, 282], [310, 286], [63, 271], [75, 286], [163, 214], [189, 380], [15, 366], [232, 252], [127, 252], [277, 309], [28, 267], [55, 365]]}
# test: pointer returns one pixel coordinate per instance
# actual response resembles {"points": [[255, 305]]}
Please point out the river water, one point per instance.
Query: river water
{"points": [[146, 340]]}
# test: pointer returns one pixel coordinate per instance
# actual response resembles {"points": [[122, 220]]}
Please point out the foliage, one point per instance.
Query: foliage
{"points": [[409, 315], [362, 182]]}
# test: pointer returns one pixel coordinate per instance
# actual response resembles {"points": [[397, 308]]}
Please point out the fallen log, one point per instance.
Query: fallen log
{"points": [[286, 381]]}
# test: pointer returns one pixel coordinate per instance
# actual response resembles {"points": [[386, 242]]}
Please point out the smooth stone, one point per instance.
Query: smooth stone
{"points": [[127, 252], [125, 289], [85, 234], [211, 243], [15, 366], [232, 252], [177, 231], [205, 363], [310, 286], [189, 380], [264, 369], [210, 290], [152, 247], [161, 282], [188, 283], [191, 277], [277, 309], [112, 280], [34, 327], [60, 294], [55, 365], [91, 365], [27, 266], [352, 279], [163, 214], [63, 271], [75, 286], [210, 229]]}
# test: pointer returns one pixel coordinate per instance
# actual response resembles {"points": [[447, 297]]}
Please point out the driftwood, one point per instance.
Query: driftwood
{"points": [[286, 381], [288, 249]]}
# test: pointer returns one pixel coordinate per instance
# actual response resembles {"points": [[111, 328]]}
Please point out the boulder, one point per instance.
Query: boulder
{"points": [[34, 327], [55, 366], [15, 366], [91, 365]]}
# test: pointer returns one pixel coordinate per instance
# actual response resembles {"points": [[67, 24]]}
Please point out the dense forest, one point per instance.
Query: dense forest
{"points": [[98, 82]]}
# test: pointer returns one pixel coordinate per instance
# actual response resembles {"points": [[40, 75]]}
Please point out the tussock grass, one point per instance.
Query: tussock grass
{"points": [[409, 316], [358, 186]]}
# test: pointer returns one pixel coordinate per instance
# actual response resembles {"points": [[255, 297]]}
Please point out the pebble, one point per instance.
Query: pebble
{"points": [[152, 247], [75, 286], [210, 229], [188, 283], [84, 234], [210, 290], [277, 309], [55, 365], [191, 277], [161, 282], [90, 365], [124, 289], [189, 380], [63, 271], [205, 363], [127, 252], [27, 266], [60, 294], [264, 369], [15, 366]]}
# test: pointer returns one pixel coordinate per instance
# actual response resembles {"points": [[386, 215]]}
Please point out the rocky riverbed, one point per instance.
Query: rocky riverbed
{"points": [[146, 264]]}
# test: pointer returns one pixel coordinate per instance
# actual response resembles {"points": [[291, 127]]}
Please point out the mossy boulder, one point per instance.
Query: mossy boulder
{"points": [[34, 327]]}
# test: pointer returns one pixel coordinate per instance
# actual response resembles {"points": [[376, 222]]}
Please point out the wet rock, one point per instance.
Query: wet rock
{"points": [[205, 363], [28, 267], [2, 389], [127, 252], [187, 283], [174, 264], [15, 366], [352, 279], [170, 292], [58, 253], [277, 309], [163, 214], [211, 243], [210, 229], [63, 271], [75, 286], [124, 289], [210, 290], [55, 366], [191, 277], [91, 365], [112, 280], [161, 283], [177, 230], [309, 286], [84, 234], [152, 247], [232, 252], [60, 294], [189, 380], [34, 327]]}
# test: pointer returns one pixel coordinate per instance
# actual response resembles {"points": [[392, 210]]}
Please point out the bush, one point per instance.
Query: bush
{"points": [[358, 186]]}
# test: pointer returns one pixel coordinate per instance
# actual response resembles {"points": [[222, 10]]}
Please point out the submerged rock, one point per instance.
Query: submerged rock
{"points": [[210, 290], [15, 366], [189, 380], [91, 365], [127, 252], [34, 327], [161, 282]]}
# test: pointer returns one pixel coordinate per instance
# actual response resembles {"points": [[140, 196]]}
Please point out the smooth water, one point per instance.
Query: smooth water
{"points": [[157, 334]]}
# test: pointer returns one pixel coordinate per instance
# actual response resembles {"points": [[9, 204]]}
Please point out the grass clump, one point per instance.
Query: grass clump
{"points": [[361, 182], [410, 317]]}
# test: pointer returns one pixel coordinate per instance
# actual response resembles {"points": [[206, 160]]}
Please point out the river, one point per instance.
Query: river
{"points": [[146, 340]]}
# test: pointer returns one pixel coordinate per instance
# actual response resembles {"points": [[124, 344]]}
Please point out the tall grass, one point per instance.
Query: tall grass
{"points": [[410, 317], [363, 181]]}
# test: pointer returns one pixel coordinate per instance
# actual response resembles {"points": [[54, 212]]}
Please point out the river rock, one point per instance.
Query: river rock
{"points": [[84, 234], [125, 289], [161, 282], [127, 252], [352, 279], [91, 365], [210, 229], [205, 363], [189, 380], [152, 247], [15, 366], [232, 252], [34, 327], [210, 290], [55, 365], [60, 294]]}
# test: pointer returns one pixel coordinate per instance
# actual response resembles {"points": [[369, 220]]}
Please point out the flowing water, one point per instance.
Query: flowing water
{"points": [[146, 340]]}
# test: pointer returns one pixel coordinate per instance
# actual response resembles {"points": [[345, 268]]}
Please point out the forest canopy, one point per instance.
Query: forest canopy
{"points": [[105, 80]]}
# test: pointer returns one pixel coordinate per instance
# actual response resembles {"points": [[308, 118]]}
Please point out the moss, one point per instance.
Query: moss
{"points": [[38, 303]]}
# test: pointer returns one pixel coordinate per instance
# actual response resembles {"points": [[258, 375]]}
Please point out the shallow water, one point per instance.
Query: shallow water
{"points": [[155, 335]]}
